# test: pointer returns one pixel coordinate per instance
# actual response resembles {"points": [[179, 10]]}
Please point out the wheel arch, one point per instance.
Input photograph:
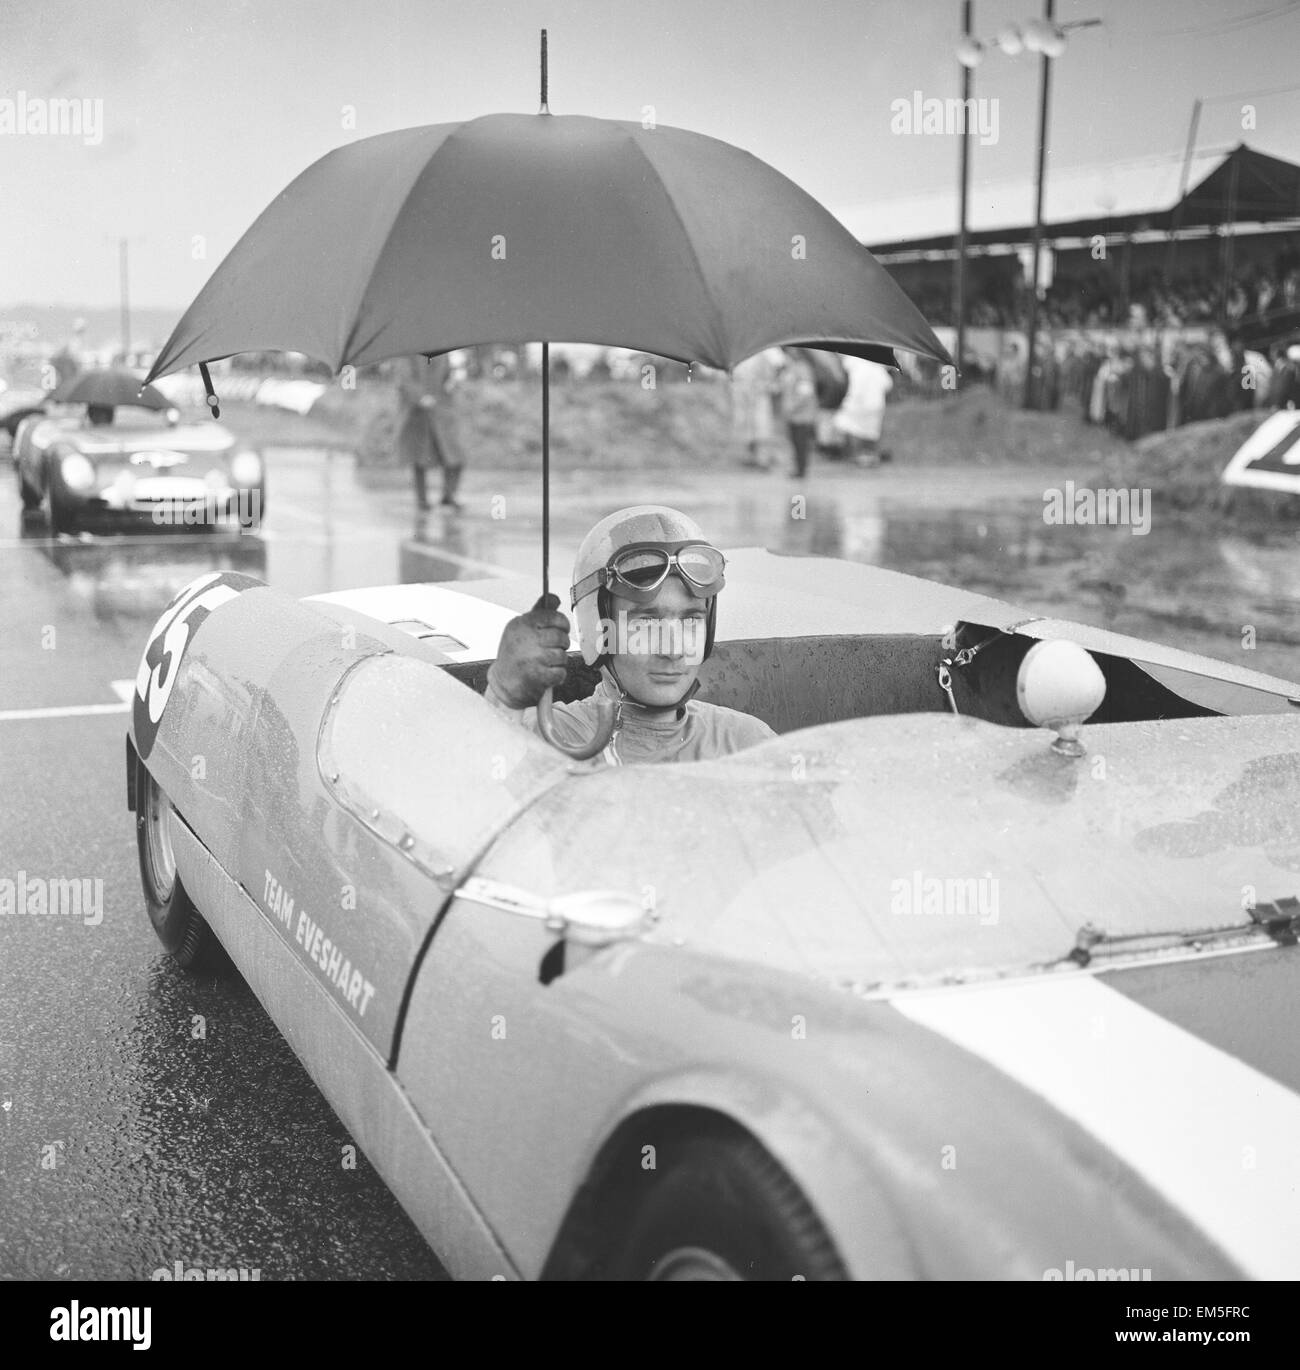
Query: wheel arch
{"points": [[604, 1200], [836, 1182]]}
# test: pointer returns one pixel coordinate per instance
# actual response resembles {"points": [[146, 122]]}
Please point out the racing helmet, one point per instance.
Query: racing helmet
{"points": [[631, 552]]}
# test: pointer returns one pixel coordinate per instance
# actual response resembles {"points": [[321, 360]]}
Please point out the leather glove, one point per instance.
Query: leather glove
{"points": [[534, 650]]}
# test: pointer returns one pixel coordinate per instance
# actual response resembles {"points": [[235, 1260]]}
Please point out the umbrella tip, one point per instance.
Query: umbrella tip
{"points": [[211, 395]]}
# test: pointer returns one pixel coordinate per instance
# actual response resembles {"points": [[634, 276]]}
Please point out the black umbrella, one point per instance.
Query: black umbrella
{"points": [[112, 386]]}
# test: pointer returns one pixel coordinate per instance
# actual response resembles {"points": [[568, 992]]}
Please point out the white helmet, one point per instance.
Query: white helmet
{"points": [[659, 532]]}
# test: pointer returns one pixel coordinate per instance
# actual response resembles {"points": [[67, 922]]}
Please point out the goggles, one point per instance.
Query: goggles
{"points": [[636, 572]]}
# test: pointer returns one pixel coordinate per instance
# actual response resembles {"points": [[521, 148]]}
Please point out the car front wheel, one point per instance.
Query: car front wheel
{"points": [[723, 1209], [61, 518], [181, 928]]}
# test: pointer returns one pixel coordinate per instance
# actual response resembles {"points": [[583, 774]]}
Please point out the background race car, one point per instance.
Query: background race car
{"points": [[144, 471]]}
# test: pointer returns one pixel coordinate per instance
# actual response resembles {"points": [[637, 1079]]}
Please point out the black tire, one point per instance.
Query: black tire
{"points": [[181, 928], [59, 520], [724, 1209], [31, 498]]}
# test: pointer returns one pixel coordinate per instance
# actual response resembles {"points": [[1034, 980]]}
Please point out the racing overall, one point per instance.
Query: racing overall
{"points": [[692, 731]]}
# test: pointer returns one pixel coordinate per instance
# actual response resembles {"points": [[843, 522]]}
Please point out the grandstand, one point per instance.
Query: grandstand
{"points": [[1123, 248]]}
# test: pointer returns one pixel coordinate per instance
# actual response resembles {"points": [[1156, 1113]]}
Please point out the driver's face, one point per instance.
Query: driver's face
{"points": [[664, 641]]}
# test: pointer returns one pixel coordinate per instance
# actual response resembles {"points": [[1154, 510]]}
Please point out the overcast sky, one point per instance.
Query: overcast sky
{"points": [[210, 108]]}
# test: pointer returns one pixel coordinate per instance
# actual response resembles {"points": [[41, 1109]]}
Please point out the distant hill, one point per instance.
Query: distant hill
{"points": [[54, 324]]}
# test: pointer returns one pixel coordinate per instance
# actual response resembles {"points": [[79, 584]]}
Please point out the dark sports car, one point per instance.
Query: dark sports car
{"points": [[144, 471]]}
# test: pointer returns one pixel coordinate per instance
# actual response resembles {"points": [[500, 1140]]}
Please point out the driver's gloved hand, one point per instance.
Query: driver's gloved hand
{"points": [[534, 648]]}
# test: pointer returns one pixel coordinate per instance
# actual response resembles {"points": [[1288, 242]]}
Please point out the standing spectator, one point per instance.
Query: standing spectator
{"points": [[65, 365], [427, 433], [1011, 371], [1089, 363], [861, 417], [1284, 388], [755, 386], [1045, 379], [799, 406], [832, 385], [1148, 396], [1102, 383]]}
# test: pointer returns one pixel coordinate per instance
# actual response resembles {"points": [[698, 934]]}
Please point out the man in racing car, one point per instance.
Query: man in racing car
{"points": [[645, 587]]}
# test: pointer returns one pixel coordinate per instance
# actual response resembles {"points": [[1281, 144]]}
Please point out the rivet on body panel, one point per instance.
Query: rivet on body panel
{"points": [[406, 841]]}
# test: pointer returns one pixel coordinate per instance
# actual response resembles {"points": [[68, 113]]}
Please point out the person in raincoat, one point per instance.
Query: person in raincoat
{"points": [[755, 388], [861, 417], [799, 406], [427, 431]]}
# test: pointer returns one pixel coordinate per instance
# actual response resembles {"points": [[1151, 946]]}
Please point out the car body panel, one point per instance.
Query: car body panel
{"points": [[815, 851], [346, 1068], [270, 746], [1217, 1137], [858, 1103]]}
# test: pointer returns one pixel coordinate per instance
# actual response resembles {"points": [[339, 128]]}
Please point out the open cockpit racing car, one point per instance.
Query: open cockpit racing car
{"points": [[914, 989]]}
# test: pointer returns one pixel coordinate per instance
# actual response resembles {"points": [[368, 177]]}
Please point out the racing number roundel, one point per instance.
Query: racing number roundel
{"points": [[171, 635]]}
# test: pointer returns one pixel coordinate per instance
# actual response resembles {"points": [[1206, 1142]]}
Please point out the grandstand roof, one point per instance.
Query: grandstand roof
{"points": [[1117, 197]]}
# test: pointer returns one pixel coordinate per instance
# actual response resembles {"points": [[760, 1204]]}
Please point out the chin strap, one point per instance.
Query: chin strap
{"points": [[625, 697]]}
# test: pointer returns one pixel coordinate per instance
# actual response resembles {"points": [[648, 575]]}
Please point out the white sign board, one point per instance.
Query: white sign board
{"points": [[1270, 458]]}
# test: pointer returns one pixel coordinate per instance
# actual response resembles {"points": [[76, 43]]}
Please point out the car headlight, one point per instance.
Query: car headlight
{"points": [[77, 471], [246, 467]]}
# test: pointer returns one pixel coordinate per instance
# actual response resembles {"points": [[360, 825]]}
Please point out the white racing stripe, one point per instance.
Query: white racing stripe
{"points": [[1213, 1135], [62, 711]]}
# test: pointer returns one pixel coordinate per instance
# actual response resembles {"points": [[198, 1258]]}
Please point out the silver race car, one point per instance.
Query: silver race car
{"points": [[913, 990]]}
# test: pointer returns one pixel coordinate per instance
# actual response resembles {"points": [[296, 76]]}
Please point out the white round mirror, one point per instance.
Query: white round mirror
{"points": [[1059, 686]]}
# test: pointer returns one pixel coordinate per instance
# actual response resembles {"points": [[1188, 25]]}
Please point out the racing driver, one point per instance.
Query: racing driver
{"points": [[645, 587]]}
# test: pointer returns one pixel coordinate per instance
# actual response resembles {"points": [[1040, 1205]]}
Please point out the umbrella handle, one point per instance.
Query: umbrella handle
{"points": [[582, 750]]}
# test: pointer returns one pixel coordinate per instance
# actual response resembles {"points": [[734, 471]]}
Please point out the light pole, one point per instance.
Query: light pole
{"points": [[1047, 38], [1044, 89], [124, 289], [123, 273], [967, 49]]}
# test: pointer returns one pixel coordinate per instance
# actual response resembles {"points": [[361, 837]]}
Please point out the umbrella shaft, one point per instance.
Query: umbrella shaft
{"points": [[546, 467]]}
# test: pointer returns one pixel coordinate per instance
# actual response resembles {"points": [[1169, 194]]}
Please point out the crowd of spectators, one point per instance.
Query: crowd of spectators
{"points": [[1133, 389], [1096, 300]]}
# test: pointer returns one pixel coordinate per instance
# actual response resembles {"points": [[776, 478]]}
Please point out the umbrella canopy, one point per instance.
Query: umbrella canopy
{"points": [[110, 386], [514, 228]]}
